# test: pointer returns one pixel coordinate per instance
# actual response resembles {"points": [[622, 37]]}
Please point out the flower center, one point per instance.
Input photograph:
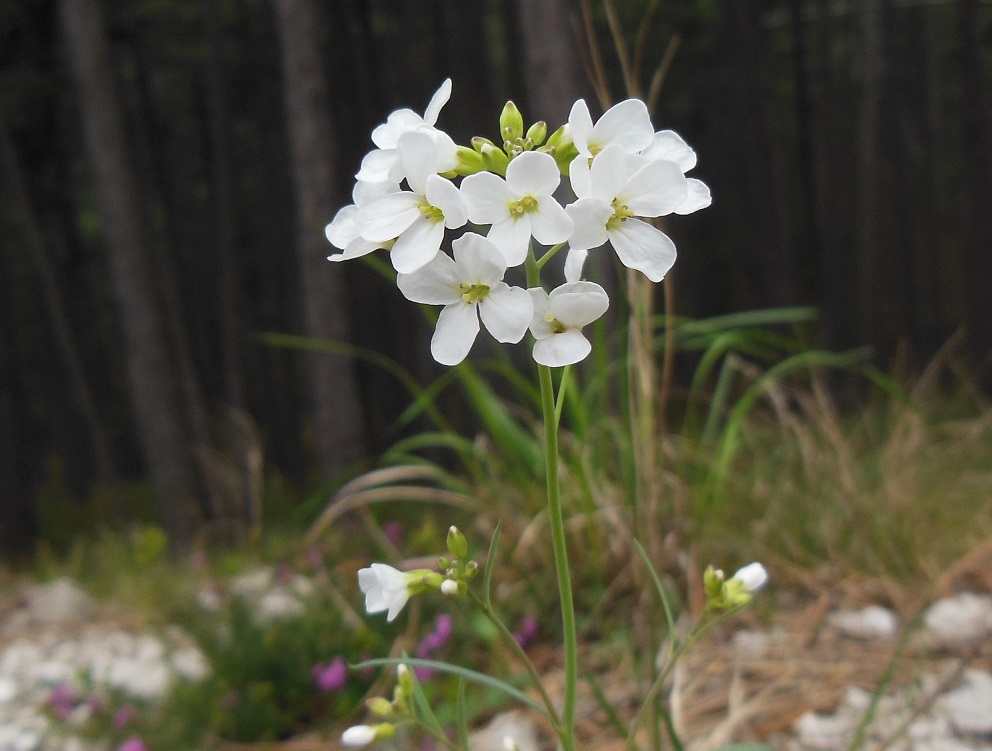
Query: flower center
{"points": [[620, 214], [473, 293], [556, 326], [525, 205], [431, 213]]}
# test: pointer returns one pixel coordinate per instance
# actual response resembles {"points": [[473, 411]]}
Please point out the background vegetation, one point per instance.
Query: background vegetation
{"points": [[167, 168]]}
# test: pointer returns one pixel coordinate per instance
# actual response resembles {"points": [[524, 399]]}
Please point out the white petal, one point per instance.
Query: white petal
{"points": [[579, 177], [550, 224], [444, 195], [487, 198], [355, 249], [376, 166], [566, 348], [512, 237], [540, 326], [698, 198], [753, 576], [580, 126], [366, 191], [358, 736], [418, 155], [417, 246], [396, 603], [589, 216], [643, 247], [457, 327], [667, 144], [578, 304], [626, 123], [440, 98], [655, 190], [533, 173], [574, 262], [388, 217], [435, 283], [506, 312], [609, 173], [387, 135], [478, 260], [343, 228], [447, 150]]}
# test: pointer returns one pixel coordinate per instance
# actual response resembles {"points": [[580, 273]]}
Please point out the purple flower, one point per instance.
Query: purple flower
{"points": [[433, 642], [315, 559], [63, 700], [527, 633], [133, 744], [124, 715], [330, 677], [393, 532]]}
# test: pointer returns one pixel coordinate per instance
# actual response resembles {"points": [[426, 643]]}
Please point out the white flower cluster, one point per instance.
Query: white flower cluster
{"points": [[621, 171]]}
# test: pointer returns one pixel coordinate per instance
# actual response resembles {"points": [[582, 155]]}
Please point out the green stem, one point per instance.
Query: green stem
{"points": [[548, 256], [514, 645], [569, 635], [567, 736]]}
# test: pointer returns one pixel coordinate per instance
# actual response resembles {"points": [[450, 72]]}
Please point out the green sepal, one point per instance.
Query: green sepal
{"points": [[511, 122]]}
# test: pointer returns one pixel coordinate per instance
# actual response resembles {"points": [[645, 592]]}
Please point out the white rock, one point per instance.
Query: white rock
{"points": [[514, 725], [278, 603], [139, 678], [825, 732], [252, 584], [208, 600], [969, 707], [751, 643], [189, 663], [962, 618], [8, 690], [59, 601], [868, 623]]}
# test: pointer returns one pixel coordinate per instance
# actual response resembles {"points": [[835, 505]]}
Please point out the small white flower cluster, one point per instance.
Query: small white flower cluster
{"points": [[620, 169]]}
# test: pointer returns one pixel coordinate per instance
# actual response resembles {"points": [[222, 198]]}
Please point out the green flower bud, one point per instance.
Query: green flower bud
{"points": [[537, 132], [457, 544], [469, 161], [559, 137], [478, 142], [380, 707], [713, 583], [495, 159], [511, 122]]}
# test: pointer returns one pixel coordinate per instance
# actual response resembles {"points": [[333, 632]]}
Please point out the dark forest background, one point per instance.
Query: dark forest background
{"points": [[167, 168]]}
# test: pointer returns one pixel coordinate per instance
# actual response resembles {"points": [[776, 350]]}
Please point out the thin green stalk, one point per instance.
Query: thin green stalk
{"points": [[515, 647], [547, 257], [561, 559], [566, 734]]}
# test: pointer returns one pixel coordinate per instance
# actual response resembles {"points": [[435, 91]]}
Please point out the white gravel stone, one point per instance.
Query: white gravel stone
{"points": [[963, 618], [873, 622], [825, 732], [969, 707], [58, 602], [278, 603], [190, 664], [252, 584]]}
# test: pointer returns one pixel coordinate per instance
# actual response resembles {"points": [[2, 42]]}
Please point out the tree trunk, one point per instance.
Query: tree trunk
{"points": [[338, 418], [155, 390], [977, 219], [873, 64], [552, 70], [16, 190]]}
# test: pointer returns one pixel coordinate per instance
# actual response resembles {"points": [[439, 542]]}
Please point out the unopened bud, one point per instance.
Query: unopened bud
{"points": [[449, 587], [457, 544], [469, 161], [380, 707], [478, 142], [495, 159], [537, 132], [511, 122]]}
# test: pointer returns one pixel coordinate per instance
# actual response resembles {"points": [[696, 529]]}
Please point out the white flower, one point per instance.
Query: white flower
{"points": [[668, 145], [621, 187], [343, 231], [574, 262], [358, 735], [383, 164], [469, 287], [415, 218], [626, 124], [558, 320], [385, 588], [752, 577], [520, 206]]}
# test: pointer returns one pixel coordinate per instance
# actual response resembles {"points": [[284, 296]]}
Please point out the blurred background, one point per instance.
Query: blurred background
{"points": [[167, 168]]}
